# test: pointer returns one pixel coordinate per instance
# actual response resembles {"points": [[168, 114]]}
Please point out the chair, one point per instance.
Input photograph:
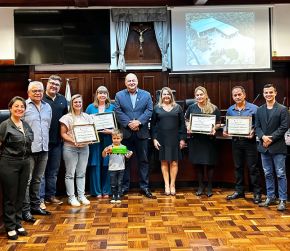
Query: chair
{"points": [[4, 114]]}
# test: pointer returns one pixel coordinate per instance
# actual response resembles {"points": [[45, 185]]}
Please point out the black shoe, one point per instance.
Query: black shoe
{"points": [[28, 217], [282, 205], [257, 198], [199, 191], [235, 195], [125, 191], [40, 211], [209, 192], [268, 202], [12, 235], [21, 231], [148, 193]]}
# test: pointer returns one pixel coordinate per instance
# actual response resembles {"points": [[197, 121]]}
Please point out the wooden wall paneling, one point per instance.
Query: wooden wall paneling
{"points": [[191, 84], [183, 84], [151, 83], [97, 81], [178, 84], [224, 92], [173, 82], [13, 82], [114, 84], [280, 78], [198, 80], [118, 82]]}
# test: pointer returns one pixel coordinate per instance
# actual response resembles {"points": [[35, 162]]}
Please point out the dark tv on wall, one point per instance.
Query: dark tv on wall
{"points": [[62, 36]]}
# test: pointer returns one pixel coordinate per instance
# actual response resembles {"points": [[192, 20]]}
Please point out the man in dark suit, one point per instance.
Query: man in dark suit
{"points": [[134, 108], [271, 125]]}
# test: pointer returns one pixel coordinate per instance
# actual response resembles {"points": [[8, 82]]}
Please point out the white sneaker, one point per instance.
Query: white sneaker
{"points": [[73, 201], [84, 200], [42, 205]]}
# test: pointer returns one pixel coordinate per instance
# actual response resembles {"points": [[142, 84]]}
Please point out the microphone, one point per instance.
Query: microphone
{"points": [[284, 99], [255, 99]]}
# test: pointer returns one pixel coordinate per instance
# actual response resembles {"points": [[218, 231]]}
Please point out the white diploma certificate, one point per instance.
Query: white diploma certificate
{"points": [[85, 133], [202, 123], [239, 125], [105, 120]]}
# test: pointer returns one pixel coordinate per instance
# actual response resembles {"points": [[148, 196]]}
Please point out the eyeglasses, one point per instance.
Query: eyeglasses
{"points": [[35, 91], [55, 84]]}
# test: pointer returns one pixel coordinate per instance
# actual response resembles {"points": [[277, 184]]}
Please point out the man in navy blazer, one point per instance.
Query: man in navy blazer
{"points": [[133, 110], [271, 125]]}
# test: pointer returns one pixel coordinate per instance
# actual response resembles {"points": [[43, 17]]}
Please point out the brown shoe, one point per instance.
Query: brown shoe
{"points": [[53, 200]]}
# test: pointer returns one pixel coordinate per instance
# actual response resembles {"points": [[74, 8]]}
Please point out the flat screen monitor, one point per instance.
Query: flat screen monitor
{"points": [[62, 36], [221, 38]]}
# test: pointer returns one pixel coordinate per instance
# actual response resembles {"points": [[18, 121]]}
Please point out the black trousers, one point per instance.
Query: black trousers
{"points": [[14, 175], [140, 150], [116, 178], [245, 150]]}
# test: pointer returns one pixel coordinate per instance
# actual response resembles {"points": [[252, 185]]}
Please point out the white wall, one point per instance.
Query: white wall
{"points": [[281, 30], [6, 33]]}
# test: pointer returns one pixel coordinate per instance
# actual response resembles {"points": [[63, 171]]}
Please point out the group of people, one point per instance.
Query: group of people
{"points": [[271, 121], [40, 130]]}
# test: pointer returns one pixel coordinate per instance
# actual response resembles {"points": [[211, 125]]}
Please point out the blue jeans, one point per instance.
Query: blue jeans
{"points": [[48, 182], [37, 168], [270, 162], [116, 179], [76, 160]]}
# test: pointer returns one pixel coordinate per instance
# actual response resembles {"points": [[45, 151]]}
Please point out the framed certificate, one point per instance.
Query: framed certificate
{"points": [[201, 123], [85, 133], [105, 120], [240, 126]]}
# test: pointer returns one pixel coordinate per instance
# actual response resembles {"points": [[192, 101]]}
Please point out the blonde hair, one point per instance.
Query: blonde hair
{"points": [[208, 107], [170, 93], [117, 132], [105, 90], [71, 109]]}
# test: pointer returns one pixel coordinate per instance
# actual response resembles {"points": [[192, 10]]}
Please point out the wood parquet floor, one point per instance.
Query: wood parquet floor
{"points": [[181, 223]]}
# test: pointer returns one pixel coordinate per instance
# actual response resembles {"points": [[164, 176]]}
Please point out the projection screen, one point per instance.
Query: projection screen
{"points": [[221, 38]]}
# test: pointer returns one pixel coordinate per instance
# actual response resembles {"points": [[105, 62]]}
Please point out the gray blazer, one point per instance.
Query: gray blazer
{"points": [[276, 126], [125, 112]]}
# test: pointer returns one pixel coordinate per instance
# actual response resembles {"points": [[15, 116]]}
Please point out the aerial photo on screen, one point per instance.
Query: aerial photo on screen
{"points": [[220, 38]]}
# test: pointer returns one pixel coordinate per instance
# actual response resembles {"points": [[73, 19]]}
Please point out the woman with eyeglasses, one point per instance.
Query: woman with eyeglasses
{"points": [[75, 154], [16, 137], [202, 147], [98, 166]]}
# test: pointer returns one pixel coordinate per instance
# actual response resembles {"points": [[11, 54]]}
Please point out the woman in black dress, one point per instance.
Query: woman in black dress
{"points": [[168, 134], [202, 147]]}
